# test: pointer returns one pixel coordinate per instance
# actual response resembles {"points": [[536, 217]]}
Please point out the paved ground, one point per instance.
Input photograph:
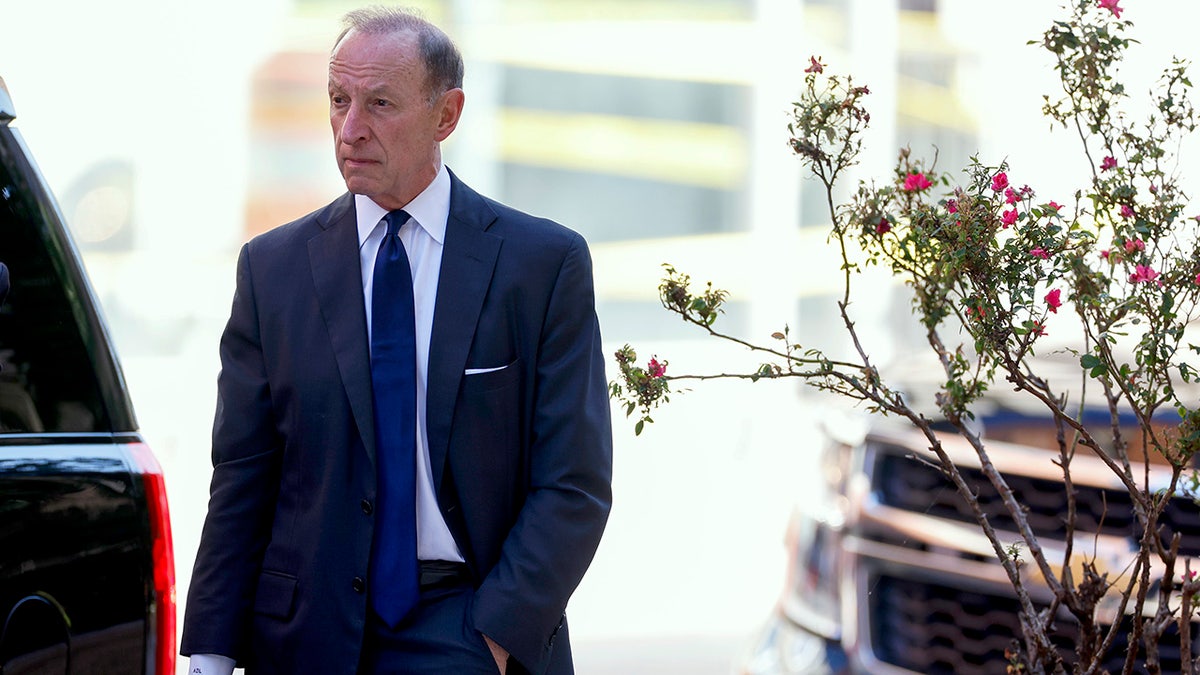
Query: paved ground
{"points": [[694, 655]]}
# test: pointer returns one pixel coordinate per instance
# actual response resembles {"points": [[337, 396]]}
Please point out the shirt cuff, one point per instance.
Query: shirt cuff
{"points": [[210, 664]]}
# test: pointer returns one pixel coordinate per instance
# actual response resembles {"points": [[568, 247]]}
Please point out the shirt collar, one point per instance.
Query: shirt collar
{"points": [[431, 209]]}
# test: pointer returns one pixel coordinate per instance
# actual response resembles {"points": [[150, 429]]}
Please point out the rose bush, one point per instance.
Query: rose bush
{"points": [[988, 262]]}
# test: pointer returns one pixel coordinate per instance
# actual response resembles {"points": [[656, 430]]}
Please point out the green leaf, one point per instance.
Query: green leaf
{"points": [[1168, 302], [637, 429], [1093, 364]]}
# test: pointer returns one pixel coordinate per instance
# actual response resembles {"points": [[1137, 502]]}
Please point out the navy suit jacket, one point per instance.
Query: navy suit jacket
{"points": [[521, 456]]}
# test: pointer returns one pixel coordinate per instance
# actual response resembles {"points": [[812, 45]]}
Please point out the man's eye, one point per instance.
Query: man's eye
{"points": [[337, 100], [382, 103]]}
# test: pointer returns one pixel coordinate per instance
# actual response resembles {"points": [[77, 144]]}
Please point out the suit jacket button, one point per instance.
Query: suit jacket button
{"points": [[358, 585], [367, 507]]}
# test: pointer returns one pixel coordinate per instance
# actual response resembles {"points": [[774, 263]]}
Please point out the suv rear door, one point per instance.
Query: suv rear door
{"points": [[86, 575]]}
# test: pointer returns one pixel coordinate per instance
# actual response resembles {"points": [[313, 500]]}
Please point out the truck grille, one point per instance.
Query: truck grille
{"points": [[936, 622], [943, 630], [905, 483]]}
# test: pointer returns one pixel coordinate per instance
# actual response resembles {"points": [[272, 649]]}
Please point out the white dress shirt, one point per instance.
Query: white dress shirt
{"points": [[423, 236]]}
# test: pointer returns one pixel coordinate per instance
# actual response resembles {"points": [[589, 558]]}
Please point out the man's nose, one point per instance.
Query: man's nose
{"points": [[354, 126]]}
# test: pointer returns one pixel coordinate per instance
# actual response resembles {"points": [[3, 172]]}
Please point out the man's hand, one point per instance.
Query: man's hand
{"points": [[498, 653]]}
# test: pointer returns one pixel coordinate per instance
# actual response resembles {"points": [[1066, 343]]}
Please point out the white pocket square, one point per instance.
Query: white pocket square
{"points": [[480, 371]]}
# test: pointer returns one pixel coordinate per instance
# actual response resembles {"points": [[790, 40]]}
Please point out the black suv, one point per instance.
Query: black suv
{"points": [[87, 579]]}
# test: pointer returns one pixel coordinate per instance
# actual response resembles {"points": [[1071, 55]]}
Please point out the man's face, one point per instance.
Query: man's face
{"points": [[385, 131]]}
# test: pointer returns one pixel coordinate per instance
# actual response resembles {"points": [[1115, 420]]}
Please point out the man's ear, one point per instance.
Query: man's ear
{"points": [[449, 107]]}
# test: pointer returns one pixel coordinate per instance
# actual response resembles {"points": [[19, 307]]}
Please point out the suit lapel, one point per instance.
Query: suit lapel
{"points": [[333, 255], [468, 260]]}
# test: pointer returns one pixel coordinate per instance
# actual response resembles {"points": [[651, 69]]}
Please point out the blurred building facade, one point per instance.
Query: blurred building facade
{"points": [[655, 128], [174, 131]]}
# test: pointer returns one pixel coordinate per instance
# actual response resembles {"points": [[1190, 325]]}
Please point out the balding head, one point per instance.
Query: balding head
{"points": [[442, 60]]}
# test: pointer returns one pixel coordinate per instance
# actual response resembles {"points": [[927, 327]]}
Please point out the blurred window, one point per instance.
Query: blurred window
{"points": [[623, 158], [952, 147], [605, 207], [927, 67], [601, 94]]}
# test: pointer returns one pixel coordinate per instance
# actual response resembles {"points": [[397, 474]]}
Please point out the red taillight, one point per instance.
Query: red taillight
{"points": [[162, 632]]}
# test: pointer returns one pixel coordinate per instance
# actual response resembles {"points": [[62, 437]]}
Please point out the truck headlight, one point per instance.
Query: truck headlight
{"points": [[812, 599], [786, 649]]}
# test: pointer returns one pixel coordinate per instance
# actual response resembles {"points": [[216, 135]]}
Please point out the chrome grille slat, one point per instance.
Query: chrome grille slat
{"points": [[907, 484], [940, 629]]}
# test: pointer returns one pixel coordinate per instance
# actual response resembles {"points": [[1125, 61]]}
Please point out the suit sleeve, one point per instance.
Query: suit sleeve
{"points": [[246, 463], [521, 603]]}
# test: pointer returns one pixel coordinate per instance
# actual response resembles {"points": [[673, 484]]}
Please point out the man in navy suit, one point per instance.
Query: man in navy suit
{"points": [[513, 452]]}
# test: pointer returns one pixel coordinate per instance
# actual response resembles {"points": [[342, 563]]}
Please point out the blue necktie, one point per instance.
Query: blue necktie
{"points": [[394, 568]]}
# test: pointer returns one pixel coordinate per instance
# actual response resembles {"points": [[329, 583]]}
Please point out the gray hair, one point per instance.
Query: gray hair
{"points": [[443, 62]]}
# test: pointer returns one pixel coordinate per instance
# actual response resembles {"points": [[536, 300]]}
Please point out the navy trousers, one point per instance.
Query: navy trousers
{"points": [[437, 636]]}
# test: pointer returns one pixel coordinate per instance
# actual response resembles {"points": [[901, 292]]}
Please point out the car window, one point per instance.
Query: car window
{"points": [[48, 382]]}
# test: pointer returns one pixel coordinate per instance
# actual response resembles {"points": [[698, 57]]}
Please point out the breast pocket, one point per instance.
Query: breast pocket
{"points": [[491, 378], [486, 432]]}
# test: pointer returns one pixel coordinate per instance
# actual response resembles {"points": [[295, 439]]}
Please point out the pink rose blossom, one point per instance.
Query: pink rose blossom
{"points": [[1039, 329], [952, 207], [656, 369], [1197, 280], [1009, 217], [1104, 254], [915, 182], [1126, 211], [1144, 273], [1010, 196], [1108, 162], [1054, 205], [1040, 252], [883, 226], [1054, 300], [1112, 6], [1134, 244], [999, 181], [815, 67]]}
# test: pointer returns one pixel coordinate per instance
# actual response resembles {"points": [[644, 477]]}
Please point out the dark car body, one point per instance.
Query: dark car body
{"points": [[86, 564], [890, 573]]}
